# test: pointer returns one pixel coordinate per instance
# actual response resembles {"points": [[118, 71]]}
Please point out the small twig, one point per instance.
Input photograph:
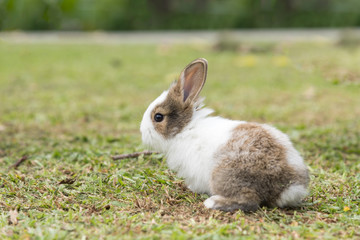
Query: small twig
{"points": [[133, 155], [19, 162]]}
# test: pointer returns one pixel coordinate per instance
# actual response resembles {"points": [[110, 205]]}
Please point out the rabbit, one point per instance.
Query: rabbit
{"points": [[240, 165]]}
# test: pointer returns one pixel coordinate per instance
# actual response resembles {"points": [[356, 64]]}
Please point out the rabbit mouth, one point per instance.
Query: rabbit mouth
{"points": [[153, 140]]}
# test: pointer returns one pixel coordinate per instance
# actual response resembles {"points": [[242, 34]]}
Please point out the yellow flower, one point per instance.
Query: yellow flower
{"points": [[346, 208], [247, 61], [281, 61]]}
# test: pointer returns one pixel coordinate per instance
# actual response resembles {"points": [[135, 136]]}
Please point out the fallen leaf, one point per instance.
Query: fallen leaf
{"points": [[68, 181], [293, 223], [13, 217]]}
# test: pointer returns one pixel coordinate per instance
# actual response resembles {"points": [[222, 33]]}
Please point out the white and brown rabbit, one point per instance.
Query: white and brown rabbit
{"points": [[241, 165]]}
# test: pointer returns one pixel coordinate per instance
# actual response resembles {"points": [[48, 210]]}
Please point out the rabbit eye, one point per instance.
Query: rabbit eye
{"points": [[158, 117]]}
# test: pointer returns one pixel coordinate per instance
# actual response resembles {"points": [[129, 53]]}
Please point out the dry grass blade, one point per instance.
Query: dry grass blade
{"points": [[67, 181], [133, 155]]}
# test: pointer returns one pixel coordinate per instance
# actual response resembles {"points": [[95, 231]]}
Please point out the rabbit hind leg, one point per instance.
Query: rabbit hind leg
{"points": [[225, 204]]}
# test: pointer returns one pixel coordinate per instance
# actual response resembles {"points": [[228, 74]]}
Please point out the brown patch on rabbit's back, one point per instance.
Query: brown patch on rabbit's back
{"points": [[252, 159], [176, 114]]}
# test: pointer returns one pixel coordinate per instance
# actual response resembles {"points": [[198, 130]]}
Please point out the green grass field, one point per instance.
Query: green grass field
{"points": [[70, 107]]}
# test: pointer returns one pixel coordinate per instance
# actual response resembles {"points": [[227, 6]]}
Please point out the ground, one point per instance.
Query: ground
{"points": [[69, 107]]}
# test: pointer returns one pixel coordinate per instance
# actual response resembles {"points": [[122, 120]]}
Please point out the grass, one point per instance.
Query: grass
{"points": [[70, 107]]}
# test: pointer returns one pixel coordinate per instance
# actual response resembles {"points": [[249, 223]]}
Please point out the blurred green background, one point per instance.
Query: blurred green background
{"points": [[172, 14]]}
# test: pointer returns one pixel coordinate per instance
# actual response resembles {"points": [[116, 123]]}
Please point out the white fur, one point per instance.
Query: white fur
{"points": [[149, 136], [292, 155], [211, 201], [191, 153], [292, 196]]}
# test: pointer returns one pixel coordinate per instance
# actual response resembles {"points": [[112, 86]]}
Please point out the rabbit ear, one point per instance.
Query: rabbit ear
{"points": [[192, 79]]}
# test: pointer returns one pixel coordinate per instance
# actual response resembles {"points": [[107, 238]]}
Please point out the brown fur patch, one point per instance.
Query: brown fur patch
{"points": [[177, 114], [247, 202], [253, 168], [178, 106]]}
